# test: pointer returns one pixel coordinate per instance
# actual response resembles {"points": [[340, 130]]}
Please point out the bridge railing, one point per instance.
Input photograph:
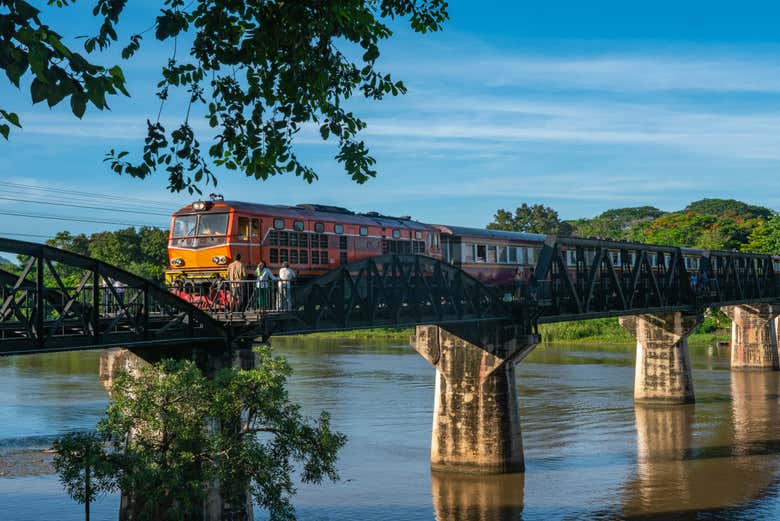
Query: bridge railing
{"points": [[582, 278], [54, 299], [219, 296]]}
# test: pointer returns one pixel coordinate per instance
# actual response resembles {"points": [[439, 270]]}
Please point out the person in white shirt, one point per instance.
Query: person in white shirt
{"points": [[286, 276], [264, 278]]}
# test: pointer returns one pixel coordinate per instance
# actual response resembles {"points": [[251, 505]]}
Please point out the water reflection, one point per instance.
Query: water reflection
{"points": [[458, 497], [664, 437], [691, 461], [755, 410]]}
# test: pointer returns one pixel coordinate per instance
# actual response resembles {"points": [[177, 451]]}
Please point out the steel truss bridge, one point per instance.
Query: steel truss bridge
{"points": [[57, 300]]}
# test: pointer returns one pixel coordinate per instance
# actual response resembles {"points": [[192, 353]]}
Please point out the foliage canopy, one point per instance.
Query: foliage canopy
{"points": [[174, 433], [142, 251], [531, 219], [262, 71]]}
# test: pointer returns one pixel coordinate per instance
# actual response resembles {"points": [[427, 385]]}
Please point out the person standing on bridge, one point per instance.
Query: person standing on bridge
{"points": [[286, 276], [264, 278], [235, 274]]}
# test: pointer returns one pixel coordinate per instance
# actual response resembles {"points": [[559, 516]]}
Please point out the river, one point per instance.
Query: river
{"points": [[590, 453]]}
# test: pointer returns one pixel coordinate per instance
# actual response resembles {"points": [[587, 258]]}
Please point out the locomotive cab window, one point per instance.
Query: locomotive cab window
{"points": [[213, 224], [185, 225], [319, 227], [279, 224]]}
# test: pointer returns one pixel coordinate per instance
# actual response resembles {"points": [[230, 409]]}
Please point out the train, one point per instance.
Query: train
{"points": [[206, 236]]}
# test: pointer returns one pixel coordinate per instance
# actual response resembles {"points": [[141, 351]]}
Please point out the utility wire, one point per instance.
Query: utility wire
{"points": [[26, 234], [62, 218], [71, 205], [80, 193]]}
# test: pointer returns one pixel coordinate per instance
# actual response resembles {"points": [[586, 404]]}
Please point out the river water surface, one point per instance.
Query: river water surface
{"points": [[590, 453]]}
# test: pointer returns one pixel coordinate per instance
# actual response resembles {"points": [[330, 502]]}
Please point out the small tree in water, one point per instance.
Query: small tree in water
{"points": [[176, 432], [85, 469]]}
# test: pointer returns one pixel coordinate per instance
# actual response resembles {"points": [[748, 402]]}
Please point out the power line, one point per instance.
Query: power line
{"points": [[83, 193], [26, 234], [62, 218], [71, 205]]}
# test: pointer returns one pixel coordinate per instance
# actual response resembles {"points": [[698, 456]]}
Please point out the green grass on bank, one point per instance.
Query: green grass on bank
{"points": [[385, 333], [602, 330]]}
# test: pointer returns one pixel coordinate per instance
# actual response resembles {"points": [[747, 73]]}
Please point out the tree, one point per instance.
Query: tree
{"points": [[727, 206], [726, 232], [765, 237], [175, 432], [615, 223], [85, 469], [262, 71], [142, 251], [531, 219]]}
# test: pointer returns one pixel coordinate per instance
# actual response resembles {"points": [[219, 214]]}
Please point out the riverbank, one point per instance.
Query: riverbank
{"points": [[598, 331]]}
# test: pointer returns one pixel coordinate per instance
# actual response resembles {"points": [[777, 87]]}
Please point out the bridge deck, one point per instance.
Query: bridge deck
{"points": [[59, 300]]}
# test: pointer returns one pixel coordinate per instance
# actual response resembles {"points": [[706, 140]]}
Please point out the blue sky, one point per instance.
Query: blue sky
{"points": [[583, 106]]}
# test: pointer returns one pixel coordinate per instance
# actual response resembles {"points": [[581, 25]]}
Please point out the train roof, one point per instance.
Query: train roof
{"points": [[311, 211], [491, 234]]}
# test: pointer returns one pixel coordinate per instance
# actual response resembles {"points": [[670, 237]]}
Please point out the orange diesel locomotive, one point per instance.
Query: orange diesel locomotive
{"points": [[207, 235]]}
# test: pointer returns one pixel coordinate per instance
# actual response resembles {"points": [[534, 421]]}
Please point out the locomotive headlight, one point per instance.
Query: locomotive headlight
{"points": [[219, 260], [215, 260], [178, 261], [202, 206]]}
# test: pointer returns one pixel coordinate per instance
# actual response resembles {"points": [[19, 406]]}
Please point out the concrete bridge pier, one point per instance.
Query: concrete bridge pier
{"points": [[210, 360], [476, 420], [753, 336], [663, 367]]}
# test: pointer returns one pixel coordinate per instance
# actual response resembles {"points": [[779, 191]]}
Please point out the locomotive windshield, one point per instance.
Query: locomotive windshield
{"points": [[201, 225], [213, 224], [185, 225]]}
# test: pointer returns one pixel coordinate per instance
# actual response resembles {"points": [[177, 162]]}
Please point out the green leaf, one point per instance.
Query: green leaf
{"points": [[38, 90], [4, 130], [78, 104], [11, 117]]}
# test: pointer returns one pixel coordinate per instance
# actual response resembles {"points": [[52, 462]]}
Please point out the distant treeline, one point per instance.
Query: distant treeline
{"points": [[723, 224], [142, 251]]}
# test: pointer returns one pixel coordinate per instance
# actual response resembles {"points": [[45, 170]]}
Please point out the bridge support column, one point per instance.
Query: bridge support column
{"points": [[663, 367], [476, 421], [210, 361], [753, 336]]}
